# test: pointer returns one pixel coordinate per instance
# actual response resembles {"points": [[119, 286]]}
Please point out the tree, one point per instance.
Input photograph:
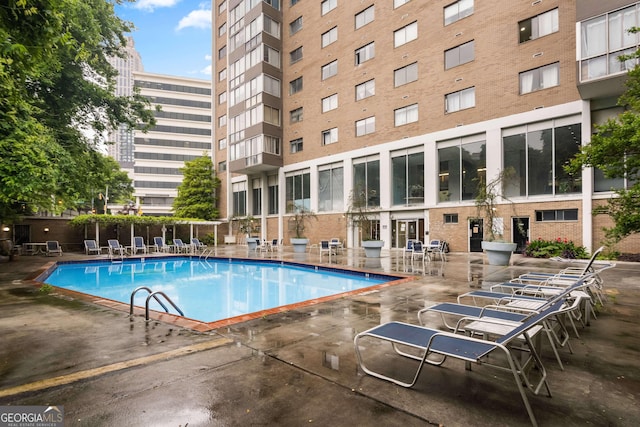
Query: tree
{"points": [[57, 87], [615, 150], [197, 194]]}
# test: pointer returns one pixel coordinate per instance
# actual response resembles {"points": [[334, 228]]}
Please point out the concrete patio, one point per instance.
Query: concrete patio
{"points": [[299, 367]]}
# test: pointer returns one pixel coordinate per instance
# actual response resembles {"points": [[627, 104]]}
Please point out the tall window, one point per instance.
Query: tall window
{"points": [[327, 6], [329, 136], [365, 126], [331, 188], [295, 55], [405, 115], [457, 10], [295, 26], [256, 192], [295, 145], [298, 191], [539, 26], [540, 78], [405, 34], [295, 86], [365, 53], [272, 202], [330, 69], [405, 75], [462, 162], [330, 37], [366, 89], [407, 170], [366, 177], [537, 153], [222, 52], [460, 100], [364, 17], [239, 190], [459, 55], [295, 116], [606, 37], [330, 103]]}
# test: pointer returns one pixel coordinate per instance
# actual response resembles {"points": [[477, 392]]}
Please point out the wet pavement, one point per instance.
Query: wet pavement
{"points": [[299, 367]]}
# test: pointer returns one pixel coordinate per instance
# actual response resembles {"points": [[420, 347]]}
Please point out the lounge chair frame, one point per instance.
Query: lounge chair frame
{"points": [[424, 342]]}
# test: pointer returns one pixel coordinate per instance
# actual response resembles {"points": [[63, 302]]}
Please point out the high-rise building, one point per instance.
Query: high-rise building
{"points": [[121, 140], [413, 102], [182, 133]]}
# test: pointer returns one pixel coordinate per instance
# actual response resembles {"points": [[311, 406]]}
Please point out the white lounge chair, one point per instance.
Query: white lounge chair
{"points": [[115, 248], [53, 247], [138, 245], [91, 246], [160, 245], [179, 246], [198, 245]]}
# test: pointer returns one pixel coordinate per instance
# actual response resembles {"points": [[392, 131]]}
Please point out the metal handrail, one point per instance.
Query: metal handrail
{"points": [[145, 288], [153, 294]]}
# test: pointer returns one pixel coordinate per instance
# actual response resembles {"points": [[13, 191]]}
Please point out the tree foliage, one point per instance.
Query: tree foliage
{"points": [[615, 150], [197, 194], [56, 88]]}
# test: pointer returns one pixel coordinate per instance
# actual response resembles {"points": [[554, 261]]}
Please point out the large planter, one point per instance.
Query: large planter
{"points": [[498, 253], [299, 244], [372, 248]]}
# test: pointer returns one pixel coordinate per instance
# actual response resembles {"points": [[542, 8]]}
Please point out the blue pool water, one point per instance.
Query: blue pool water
{"points": [[209, 290]]}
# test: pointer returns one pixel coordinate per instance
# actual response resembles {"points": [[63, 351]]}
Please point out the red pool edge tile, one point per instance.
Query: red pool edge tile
{"points": [[200, 326]]}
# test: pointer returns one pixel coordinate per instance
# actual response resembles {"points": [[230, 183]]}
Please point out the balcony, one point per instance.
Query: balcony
{"points": [[256, 164]]}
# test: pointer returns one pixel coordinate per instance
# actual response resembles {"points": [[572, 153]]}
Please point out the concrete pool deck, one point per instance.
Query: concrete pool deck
{"points": [[298, 367]]}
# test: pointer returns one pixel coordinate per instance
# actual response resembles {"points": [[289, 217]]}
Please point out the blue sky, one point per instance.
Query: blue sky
{"points": [[172, 36]]}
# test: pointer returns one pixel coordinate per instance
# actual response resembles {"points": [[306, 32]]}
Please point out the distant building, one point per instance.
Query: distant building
{"points": [[412, 101], [182, 133], [121, 139]]}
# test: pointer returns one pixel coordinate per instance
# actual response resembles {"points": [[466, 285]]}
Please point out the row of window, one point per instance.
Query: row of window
{"points": [[172, 88], [539, 78], [172, 143], [545, 215]]}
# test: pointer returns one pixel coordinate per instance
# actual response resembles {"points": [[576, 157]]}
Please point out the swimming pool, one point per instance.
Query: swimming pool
{"points": [[215, 289]]}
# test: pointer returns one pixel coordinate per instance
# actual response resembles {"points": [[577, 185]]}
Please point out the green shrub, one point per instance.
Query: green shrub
{"points": [[555, 248]]}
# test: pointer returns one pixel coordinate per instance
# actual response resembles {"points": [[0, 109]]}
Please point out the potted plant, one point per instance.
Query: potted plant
{"points": [[297, 224], [488, 193], [360, 215], [247, 227]]}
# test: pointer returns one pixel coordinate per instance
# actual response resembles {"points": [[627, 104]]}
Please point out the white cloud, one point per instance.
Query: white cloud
{"points": [[150, 5], [206, 70], [200, 18], [208, 57]]}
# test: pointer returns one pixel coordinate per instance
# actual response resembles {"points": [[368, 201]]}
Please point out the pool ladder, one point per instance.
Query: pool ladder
{"points": [[153, 295], [206, 253]]}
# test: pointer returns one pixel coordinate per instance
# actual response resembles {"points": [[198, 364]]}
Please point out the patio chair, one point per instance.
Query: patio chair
{"points": [[91, 246], [407, 252], [198, 245], [138, 245], [325, 248], [160, 245], [425, 342], [336, 244], [53, 247], [180, 246], [418, 252], [115, 248], [507, 315], [437, 247]]}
